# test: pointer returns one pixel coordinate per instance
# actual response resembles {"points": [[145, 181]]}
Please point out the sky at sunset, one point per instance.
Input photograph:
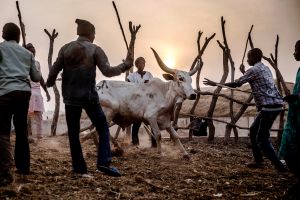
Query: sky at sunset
{"points": [[169, 26]]}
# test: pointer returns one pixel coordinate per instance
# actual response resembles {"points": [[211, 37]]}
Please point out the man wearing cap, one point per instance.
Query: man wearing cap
{"points": [[78, 60], [16, 66]]}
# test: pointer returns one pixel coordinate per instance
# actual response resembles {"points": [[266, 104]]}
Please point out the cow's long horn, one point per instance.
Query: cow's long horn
{"points": [[162, 64], [193, 71]]}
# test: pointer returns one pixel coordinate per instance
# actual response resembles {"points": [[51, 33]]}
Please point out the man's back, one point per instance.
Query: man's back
{"points": [[262, 84], [78, 60], [79, 70], [15, 67]]}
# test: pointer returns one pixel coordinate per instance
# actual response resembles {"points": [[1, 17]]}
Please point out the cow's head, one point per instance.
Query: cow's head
{"points": [[183, 78]]}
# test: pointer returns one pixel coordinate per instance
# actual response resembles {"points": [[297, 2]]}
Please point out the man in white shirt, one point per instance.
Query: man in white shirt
{"points": [[140, 77]]}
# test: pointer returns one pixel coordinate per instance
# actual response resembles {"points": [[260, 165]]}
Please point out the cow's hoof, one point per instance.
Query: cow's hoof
{"points": [[153, 145], [193, 151], [117, 152], [161, 155], [186, 157]]}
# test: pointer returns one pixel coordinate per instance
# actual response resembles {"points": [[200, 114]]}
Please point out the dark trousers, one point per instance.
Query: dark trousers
{"points": [[14, 105], [96, 115], [135, 137], [260, 137], [134, 133]]}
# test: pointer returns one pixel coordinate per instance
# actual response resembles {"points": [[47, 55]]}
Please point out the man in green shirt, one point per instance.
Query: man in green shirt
{"points": [[16, 66], [290, 143]]}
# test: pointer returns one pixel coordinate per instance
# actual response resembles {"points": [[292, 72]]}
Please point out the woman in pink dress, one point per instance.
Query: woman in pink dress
{"points": [[36, 104]]}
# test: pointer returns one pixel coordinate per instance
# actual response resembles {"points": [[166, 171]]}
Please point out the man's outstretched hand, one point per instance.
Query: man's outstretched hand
{"points": [[209, 82]]}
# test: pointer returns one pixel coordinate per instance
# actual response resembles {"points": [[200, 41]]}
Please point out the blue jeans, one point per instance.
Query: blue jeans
{"points": [[97, 116], [260, 137]]}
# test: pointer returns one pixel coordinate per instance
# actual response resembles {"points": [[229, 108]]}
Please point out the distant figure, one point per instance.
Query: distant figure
{"points": [[269, 104], [16, 66], [78, 60], [139, 77], [290, 143], [36, 104]]}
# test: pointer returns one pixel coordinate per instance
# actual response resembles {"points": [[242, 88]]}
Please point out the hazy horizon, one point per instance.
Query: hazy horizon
{"points": [[170, 27]]}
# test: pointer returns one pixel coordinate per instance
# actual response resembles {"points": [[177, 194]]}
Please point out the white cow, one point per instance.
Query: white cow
{"points": [[152, 102]]}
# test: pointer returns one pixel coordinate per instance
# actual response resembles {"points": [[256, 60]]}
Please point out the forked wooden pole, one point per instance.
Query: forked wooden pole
{"points": [[22, 26], [119, 20]]}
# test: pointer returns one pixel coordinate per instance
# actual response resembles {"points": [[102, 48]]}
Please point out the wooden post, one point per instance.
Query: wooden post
{"points": [[55, 89], [273, 61], [128, 129], [22, 26], [198, 58], [238, 115], [123, 34], [213, 103]]}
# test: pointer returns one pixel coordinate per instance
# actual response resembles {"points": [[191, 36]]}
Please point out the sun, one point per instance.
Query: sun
{"points": [[170, 60]]}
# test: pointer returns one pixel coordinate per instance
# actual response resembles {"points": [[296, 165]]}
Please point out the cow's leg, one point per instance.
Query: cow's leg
{"points": [[151, 134], [117, 133], [175, 136], [157, 134], [127, 137], [109, 116]]}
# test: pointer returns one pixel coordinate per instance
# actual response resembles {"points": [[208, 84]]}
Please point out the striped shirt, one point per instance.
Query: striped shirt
{"points": [[262, 84]]}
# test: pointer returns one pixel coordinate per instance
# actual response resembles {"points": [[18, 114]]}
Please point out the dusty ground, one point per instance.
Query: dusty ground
{"points": [[214, 171]]}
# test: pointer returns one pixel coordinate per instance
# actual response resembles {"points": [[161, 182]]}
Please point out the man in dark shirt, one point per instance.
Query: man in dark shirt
{"points": [[269, 104], [78, 60]]}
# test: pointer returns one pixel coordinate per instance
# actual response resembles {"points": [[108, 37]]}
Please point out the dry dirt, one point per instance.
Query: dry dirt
{"points": [[214, 171]]}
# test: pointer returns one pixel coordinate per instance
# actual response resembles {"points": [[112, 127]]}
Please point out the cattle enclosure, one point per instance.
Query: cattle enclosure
{"points": [[217, 165]]}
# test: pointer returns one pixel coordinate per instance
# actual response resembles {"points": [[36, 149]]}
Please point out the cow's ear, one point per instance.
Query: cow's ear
{"points": [[168, 77]]}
